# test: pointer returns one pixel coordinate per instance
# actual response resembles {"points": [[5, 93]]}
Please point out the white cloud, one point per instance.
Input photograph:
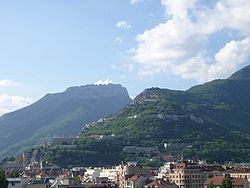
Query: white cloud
{"points": [[123, 24], [103, 82], [118, 40], [12, 103], [132, 2], [179, 45], [178, 8], [7, 83], [233, 53]]}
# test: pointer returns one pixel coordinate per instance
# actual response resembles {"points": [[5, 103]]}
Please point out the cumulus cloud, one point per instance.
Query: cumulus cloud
{"points": [[178, 8], [179, 45], [12, 103], [7, 83], [132, 2], [233, 54], [123, 25], [103, 82]]}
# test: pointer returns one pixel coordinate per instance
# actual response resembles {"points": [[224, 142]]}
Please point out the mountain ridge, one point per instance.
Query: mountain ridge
{"points": [[243, 73], [61, 113], [213, 118]]}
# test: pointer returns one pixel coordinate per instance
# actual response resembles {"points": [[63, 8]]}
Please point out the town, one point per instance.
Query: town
{"points": [[173, 174]]}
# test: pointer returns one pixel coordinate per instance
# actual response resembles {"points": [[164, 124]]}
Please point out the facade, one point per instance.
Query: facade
{"points": [[109, 173], [97, 175], [186, 174], [17, 182], [212, 170], [91, 174], [124, 171], [135, 182], [165, 169], [240, 173], [189, 174]]}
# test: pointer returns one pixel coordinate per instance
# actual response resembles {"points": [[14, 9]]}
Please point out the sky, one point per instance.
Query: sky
{"points": [[47, 46]]}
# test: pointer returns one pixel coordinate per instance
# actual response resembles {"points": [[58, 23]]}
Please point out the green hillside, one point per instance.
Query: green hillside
{"points": [[212, 118], [60, 114]]}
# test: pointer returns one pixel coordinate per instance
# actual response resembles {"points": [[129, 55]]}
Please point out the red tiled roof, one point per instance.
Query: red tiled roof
{"points": [[239, 181], [160, 182], [217, 180], [134, 177], [212, 168]]}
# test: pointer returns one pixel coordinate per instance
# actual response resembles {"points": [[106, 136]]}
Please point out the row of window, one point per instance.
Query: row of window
{"points": [[192, 186], [241, 176], [187, 181], [187, 176], [186, 171]]}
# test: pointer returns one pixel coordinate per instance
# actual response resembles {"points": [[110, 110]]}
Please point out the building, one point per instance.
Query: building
{"points": [[135, 181], [165, 169], [240, 173], [124, 171], [99, 175], [91, 174], [161, 184], [186, 174], [212, 170], [17, 182], [109, 173], [217, 182]]}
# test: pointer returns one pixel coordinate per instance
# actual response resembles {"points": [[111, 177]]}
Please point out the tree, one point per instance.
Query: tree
{"points": [[210, 185], [227, 183], [14, 174], [77, 180], [3, 181]]}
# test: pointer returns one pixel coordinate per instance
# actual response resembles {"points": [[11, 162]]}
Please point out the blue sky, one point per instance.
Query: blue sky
{"points": [[49, 45]]}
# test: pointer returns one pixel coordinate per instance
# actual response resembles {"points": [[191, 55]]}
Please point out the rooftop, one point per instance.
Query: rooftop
{"points": [[217, 180]]}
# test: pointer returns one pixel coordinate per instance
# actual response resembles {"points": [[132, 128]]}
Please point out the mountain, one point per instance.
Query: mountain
{"points": [[59, 114], [209, 121]]}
